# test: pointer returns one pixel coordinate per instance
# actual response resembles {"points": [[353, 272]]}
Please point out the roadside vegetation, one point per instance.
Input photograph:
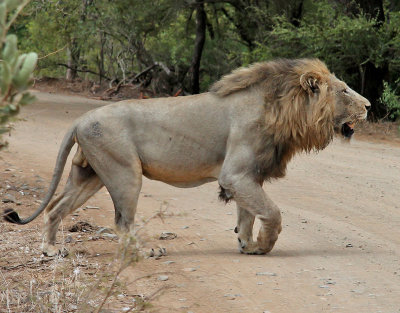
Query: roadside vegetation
{"points": [[170, 47], [15, 68]]}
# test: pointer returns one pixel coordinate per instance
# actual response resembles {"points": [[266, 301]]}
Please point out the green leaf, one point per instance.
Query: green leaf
{"points": [[3, 14], [22, 78], [16, 65], [12, 107], [10, 49], [5, 75], [27, 98]]}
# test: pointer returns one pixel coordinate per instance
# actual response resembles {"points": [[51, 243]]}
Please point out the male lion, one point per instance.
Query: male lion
{"points": [[241, 133]]}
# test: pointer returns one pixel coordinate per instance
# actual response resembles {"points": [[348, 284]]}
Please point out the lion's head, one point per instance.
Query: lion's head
{"points": [[350, 107], [326, 91]]}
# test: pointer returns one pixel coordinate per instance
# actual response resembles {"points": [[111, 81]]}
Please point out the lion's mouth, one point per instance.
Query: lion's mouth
{"points": [[347, 129]]}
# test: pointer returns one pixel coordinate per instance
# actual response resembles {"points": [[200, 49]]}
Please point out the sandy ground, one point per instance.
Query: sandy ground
{"points": [[339, 250]]}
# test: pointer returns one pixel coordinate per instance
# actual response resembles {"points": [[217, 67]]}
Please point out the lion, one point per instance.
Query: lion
{"points": [[241, 133]]}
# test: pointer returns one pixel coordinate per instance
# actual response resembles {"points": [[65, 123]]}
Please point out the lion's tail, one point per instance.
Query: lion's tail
{"points": [[12, 216]]}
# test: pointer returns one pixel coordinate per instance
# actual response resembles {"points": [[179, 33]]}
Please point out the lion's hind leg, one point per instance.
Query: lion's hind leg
{"points": [[121, 173], [81, 185], [124, 187]]}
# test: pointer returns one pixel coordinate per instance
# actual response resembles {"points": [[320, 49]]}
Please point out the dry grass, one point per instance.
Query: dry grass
{"points": [[77, 283], [83, 281]]}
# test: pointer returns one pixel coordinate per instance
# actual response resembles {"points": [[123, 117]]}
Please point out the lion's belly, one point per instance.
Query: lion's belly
{"points": [[180, 161], [179, 178], [182, 164]]}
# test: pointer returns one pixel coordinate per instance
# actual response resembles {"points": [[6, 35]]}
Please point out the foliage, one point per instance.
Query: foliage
{"points": [[15, 68], [345, 43], [151, 43], [354, 46], [118, 40], [391, 101]]}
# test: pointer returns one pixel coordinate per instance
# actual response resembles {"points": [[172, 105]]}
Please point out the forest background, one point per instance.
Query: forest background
{"points": [[171, 46]]}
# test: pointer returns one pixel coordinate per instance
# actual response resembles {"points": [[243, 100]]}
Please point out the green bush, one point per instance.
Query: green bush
{"points": [[15, 68], [391, 101], [343, 42], [350, 44]]}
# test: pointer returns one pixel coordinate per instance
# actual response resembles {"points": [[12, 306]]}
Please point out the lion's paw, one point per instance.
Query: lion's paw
{"points": [[249, 247], [253, 248], [51, 250]]}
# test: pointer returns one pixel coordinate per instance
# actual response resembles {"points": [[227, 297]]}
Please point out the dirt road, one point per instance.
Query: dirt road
{"points": [[339, 250]]}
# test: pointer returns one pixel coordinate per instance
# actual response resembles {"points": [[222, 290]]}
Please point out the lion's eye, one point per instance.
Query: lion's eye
{"points": [[345, 91]]}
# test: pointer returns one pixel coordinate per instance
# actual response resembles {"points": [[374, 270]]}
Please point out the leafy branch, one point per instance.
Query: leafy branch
{"points": [[15, 69]]}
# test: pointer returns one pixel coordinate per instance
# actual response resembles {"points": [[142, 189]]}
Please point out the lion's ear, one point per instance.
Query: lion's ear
{"points": [[310, 82]]}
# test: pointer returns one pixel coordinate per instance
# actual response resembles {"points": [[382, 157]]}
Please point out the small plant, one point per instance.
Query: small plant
{"points": [[15, 68], [391, 101]]}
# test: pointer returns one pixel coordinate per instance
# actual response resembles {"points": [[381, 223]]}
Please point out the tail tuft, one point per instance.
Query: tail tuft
{"points": [[11, 216]]}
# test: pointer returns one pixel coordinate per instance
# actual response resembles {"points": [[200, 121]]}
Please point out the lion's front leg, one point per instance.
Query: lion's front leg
{"points": [[268, 234], [250, 197], [244, 229], [270, 218]]}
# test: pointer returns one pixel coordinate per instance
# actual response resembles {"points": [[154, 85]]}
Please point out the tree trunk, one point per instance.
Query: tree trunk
{"points": [[101, 59], [198, 46], [68, 75], [74, 50], [244, 27], [74, 53], [373, 88], [296, 13], [374, 76]]}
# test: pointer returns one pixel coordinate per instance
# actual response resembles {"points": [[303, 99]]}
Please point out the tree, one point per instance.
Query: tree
{"points": [[373, 75], [198, 45], [361, 50], [170, 45]]}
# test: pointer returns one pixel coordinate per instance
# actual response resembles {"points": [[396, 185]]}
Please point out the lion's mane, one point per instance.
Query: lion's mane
{"points": [[297, 118]]}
